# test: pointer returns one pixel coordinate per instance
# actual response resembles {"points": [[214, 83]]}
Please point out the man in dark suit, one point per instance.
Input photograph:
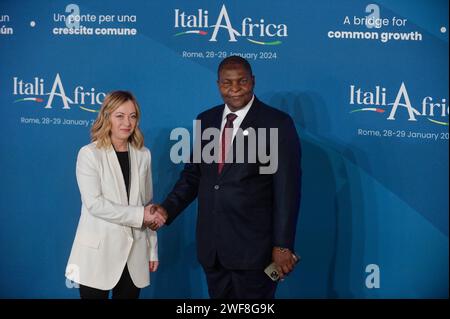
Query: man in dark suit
{"points": [[247, 210]]}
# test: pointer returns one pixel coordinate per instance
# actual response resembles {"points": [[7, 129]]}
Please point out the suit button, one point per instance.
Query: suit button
{"points": [[216, 187]]}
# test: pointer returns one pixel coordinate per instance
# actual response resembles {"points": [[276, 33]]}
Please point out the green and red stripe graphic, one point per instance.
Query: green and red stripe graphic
{"points": [[437, 122], [35, 99], [378, 110], [88, 110], [200, 32], [265, 43], [370, 109], [38, 99]]}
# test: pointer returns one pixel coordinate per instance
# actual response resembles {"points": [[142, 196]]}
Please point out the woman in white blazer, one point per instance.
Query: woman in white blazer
{"points": [[113, 248]]}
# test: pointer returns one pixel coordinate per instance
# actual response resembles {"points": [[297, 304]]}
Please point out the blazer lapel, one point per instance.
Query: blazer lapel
{"points": [[215, 122], [116, 171], [251, 116], [134, 175]]}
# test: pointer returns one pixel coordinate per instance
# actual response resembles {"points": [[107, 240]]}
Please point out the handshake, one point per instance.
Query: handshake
{"points": [[155, 216]]}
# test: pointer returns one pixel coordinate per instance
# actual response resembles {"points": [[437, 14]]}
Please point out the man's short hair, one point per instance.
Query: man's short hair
{"points": [[233, 60]]}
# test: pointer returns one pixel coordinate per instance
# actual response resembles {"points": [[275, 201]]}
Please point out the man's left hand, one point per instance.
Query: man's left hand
{"points": [[284, 259]]}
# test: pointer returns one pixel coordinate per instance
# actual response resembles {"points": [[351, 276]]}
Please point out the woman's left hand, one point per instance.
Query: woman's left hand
{"points": [[153, 265]]}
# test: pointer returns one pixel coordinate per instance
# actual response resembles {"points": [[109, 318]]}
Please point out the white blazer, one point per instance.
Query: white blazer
{"points": [[110, 233]]}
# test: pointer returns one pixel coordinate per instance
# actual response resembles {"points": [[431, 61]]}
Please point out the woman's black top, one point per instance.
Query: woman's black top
{"points": [[125, 166]]}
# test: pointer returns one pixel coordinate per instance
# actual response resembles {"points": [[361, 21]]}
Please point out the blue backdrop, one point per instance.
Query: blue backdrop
{"points": [[366, 84]]}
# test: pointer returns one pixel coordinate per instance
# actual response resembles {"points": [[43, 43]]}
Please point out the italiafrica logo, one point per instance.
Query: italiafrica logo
{"points": [[33, 91], [375, 101], [198, 24]]}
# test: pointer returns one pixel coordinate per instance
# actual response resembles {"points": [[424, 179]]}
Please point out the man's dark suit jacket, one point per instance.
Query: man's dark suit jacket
{"points": [[243, 214]]}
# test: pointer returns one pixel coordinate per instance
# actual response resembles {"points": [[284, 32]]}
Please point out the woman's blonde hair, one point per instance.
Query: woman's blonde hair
{"points": [[101, 129]]}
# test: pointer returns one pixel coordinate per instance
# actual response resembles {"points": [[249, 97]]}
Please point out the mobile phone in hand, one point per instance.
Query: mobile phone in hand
{"points": [[272, 271]]}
